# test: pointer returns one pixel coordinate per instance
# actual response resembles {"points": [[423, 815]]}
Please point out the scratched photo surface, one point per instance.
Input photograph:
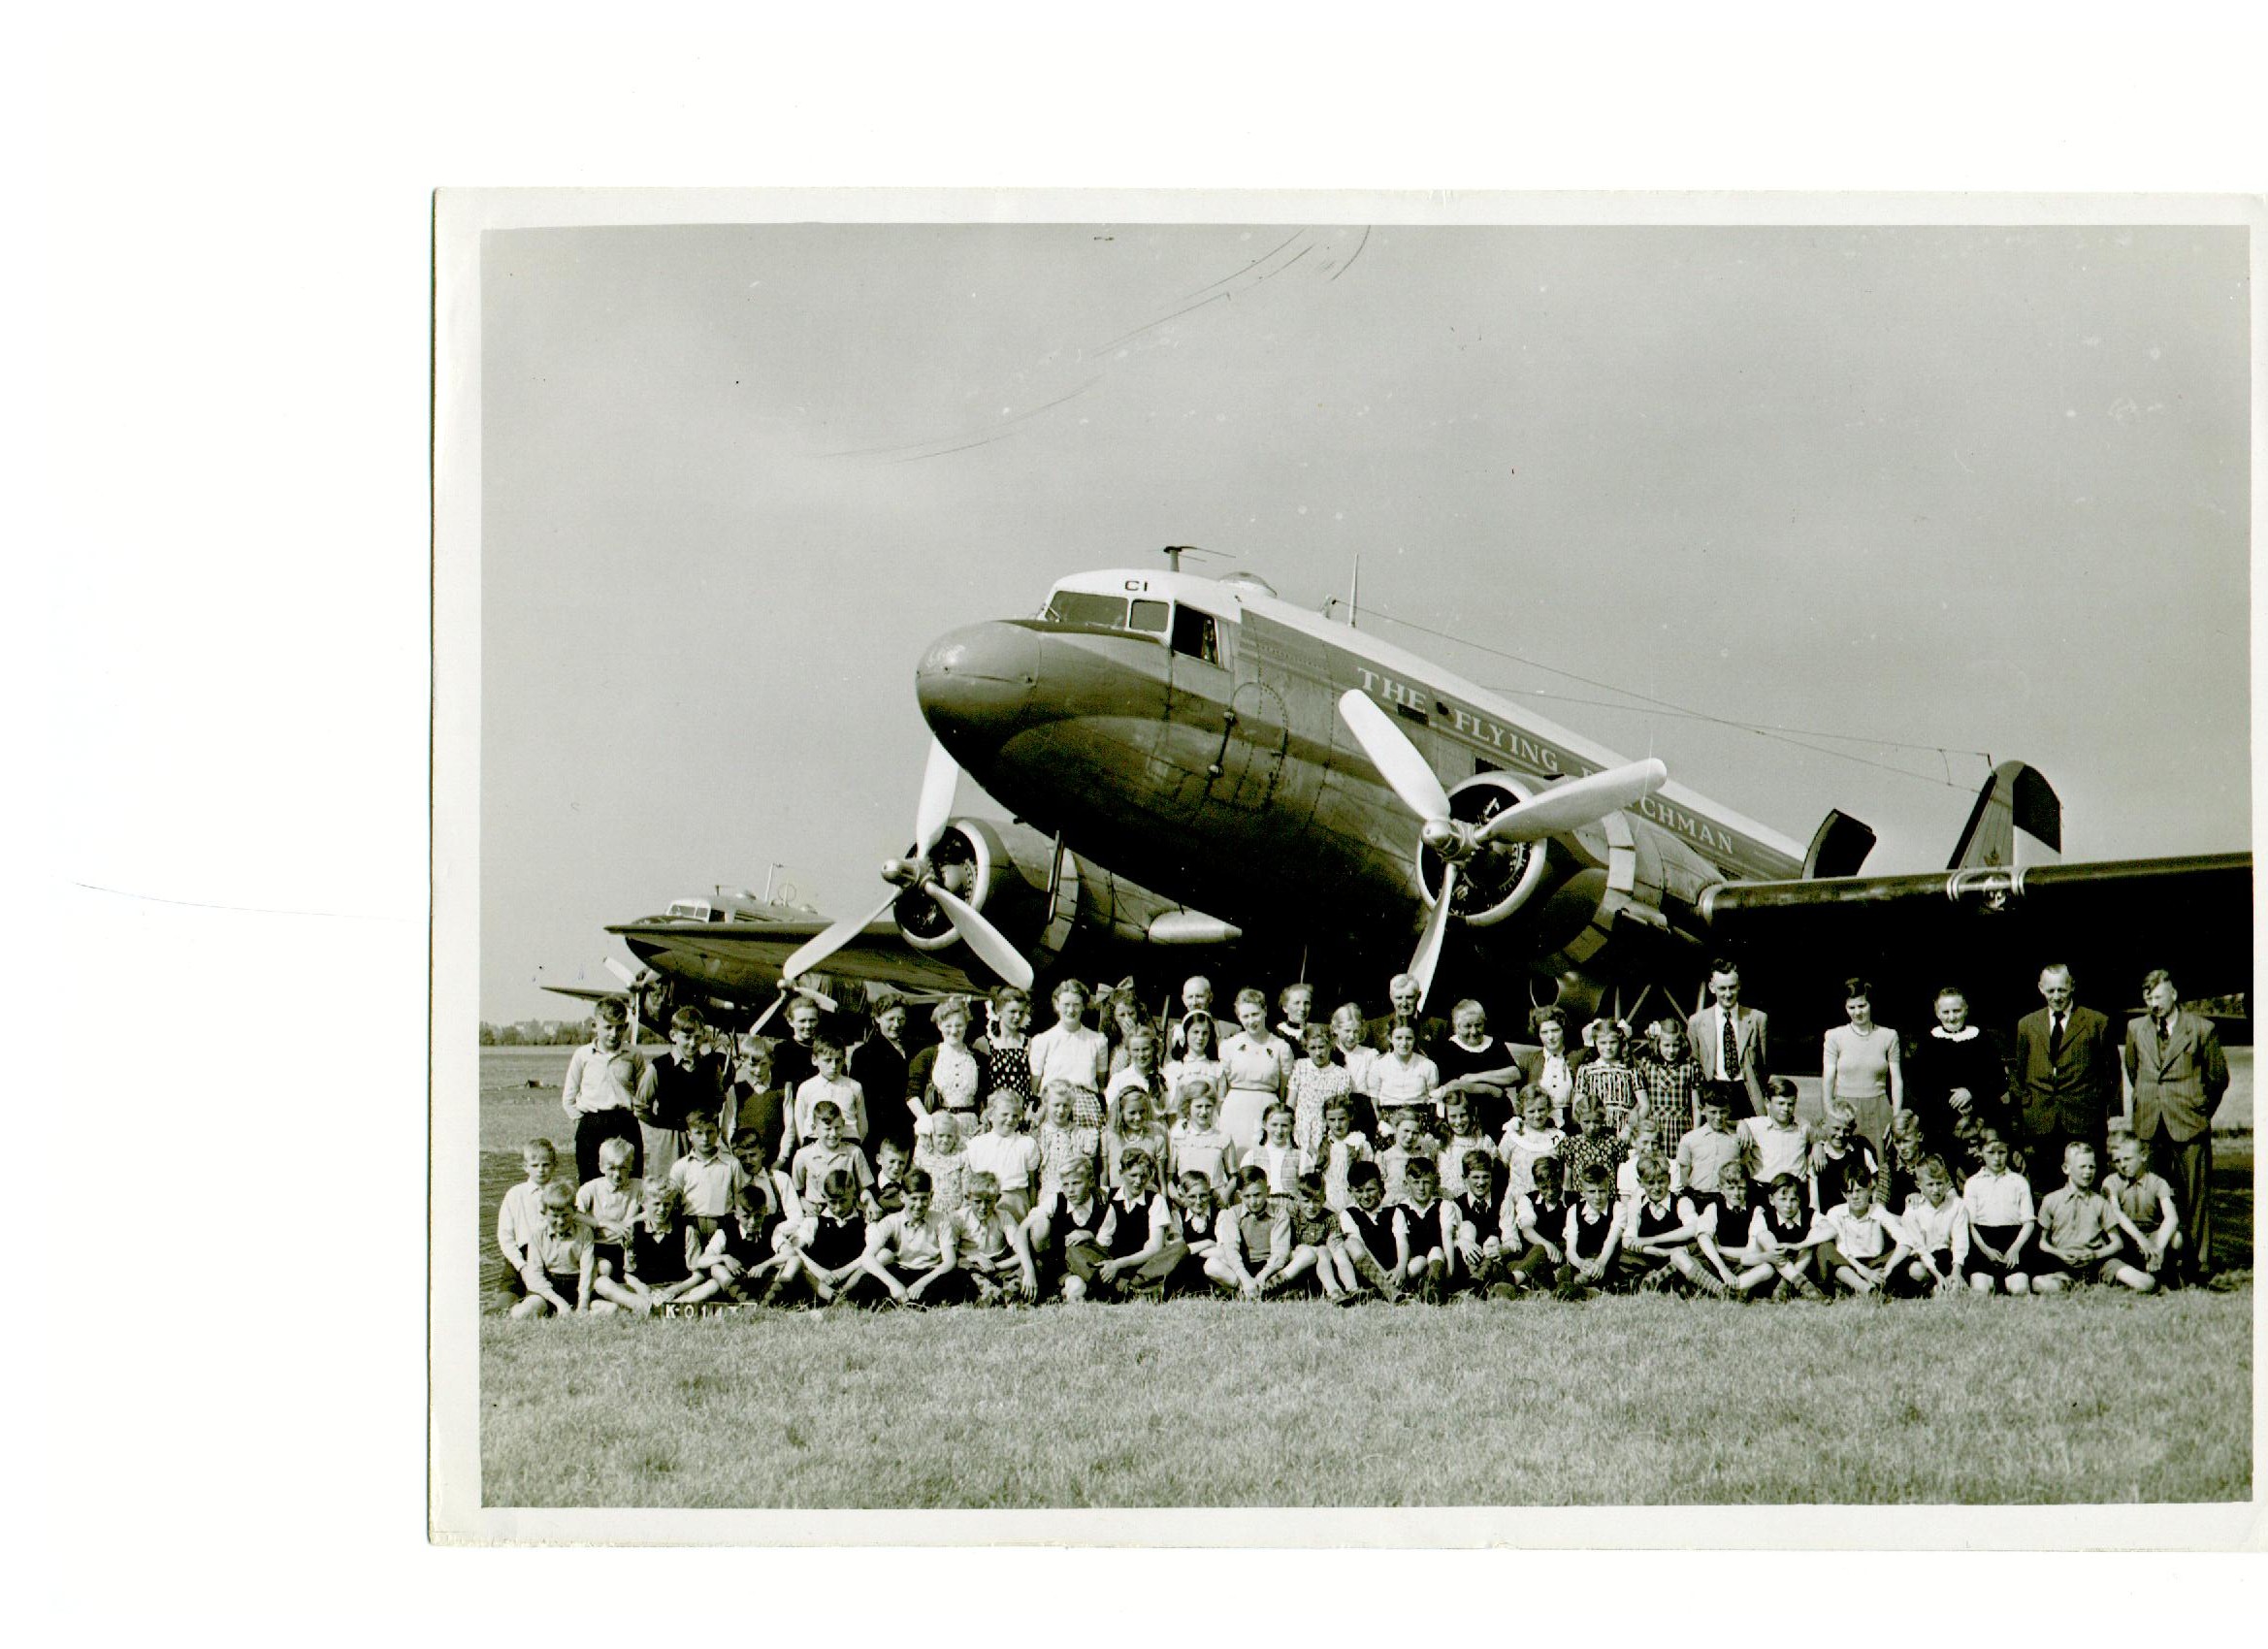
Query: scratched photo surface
{"points": [[1821, 517]]}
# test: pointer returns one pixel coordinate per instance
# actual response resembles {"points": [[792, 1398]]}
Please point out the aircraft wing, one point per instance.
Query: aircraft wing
{"points": [[741, 960], [588, 992], [1990, 929]]}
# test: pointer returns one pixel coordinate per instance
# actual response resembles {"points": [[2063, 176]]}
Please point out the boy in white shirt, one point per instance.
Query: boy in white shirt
{"points": [[1775, 1143], [1865, 1244], [828, 1084], [1937, 1226]]}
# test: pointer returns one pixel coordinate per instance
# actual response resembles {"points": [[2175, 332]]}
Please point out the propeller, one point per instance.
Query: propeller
{"points": [[933, 812], [1564, 806]]}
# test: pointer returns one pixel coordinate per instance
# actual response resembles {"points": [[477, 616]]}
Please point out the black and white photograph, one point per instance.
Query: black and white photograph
{"points": [[1400, 869]]}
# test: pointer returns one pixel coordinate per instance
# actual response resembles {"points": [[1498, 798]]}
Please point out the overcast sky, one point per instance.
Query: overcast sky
{"points": [[1971, 487]]}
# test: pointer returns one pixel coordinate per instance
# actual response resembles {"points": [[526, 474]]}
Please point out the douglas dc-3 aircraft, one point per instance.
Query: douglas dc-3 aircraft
{"points": [[1206, 778]]}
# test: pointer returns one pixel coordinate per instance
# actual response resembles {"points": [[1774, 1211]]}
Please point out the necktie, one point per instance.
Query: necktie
{"points": [[2056, 1037], [1731, 1052]]}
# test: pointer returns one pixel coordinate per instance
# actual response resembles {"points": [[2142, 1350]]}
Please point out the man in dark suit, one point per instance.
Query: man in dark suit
{"points": [[1402, 998], [2066, 1080], [1728, 1042], [877, 1065], [2178, 1074]]}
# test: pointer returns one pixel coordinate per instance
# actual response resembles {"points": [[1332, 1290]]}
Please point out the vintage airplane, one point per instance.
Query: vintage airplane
{"points": [[1204, 775]]}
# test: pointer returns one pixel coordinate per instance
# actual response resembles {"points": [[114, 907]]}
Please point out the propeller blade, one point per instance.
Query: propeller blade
{"points": [[939, 781], [1437, 930], [629, 978], [989, 943], [820, 946], [1391, 753], [1575, 802]]}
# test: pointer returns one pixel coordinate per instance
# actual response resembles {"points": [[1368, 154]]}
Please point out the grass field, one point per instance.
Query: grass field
{"points": [[1619, 1401]]}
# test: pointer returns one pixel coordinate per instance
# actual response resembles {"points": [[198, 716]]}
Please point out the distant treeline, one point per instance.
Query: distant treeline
{"points": [[545, 1033]]}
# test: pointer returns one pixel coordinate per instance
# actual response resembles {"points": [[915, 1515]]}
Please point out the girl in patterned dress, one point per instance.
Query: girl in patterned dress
{"points": [[1200, 1061], [1276, 1153], [1006, 1051], [1133, 1128], [1339, 1151], [1315, 1081], [1593, 1144], [1063, 1140], [948, 1077], [1607, 1079]]}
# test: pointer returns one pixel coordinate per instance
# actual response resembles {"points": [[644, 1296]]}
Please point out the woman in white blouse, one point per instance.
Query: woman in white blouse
{"points": [[1258, 1066], [1200, 1058]]}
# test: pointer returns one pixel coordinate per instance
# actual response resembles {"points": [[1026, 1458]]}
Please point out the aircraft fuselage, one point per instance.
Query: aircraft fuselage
{"points": [[1185, 731]]}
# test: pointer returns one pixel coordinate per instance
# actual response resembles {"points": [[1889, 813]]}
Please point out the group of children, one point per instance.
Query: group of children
{"points": [[1016, 1203]]}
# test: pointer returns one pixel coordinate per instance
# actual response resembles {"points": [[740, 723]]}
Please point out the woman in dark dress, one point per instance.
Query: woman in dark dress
{"points": [[1956, 1068], [1479, 1066]]}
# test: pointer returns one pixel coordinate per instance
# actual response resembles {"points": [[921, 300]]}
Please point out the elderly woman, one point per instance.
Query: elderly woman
{"points": [[1955, 1071], [1861, 1064], [1551, 1068], [1479, 1066]]}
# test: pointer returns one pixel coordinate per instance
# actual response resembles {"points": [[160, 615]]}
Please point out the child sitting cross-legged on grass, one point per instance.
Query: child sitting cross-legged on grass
{"points": [[1938, 1228], [1373, 1250], [1727, 1240], [1534, 1228], [909, 1257], [556, 1271], [742, 1255], [2083, 1234], [1200, 1228], [991, 1244], [1426, 1266], [609, 1208], [2148, 1202], [658, 1267], [1255, 1241], [1783, 1237], [1472, 1223], [1594, 1231], [1135, 1235], [1658, 1235], [1865, 1244], [1063, 1231], [824, 1251]]}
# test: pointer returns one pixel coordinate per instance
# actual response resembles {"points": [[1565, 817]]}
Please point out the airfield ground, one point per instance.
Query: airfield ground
{"points": [[1653, 1401]]}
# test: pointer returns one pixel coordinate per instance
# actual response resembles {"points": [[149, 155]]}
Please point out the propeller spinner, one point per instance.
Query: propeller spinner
{"points": [[939, 782], [1564, 806]]}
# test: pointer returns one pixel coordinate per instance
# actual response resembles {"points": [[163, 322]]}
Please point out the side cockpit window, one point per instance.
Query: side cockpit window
{"points": [[1152, 617], [1195, 634]]}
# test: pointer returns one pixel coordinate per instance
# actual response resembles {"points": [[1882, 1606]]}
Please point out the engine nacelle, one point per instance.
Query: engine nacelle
{"points": [[1025, 885], [1500, 878]]}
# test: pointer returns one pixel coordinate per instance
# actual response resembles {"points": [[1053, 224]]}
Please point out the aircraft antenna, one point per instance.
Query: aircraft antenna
{"points": [[1354, 593]]}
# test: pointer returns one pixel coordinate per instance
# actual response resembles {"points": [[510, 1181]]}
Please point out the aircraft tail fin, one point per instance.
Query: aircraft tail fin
{"points": [[2017, 821]]}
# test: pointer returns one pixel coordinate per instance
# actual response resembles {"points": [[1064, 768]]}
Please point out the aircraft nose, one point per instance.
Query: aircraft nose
{"points": [[978, 682]]}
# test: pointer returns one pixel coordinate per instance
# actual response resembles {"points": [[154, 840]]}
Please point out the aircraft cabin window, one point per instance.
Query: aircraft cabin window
{"points": [[1194, 634], [1151, 616]]}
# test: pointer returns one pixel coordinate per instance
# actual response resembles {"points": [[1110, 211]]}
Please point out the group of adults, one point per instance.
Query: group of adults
{"points": [[2062, 1077]]}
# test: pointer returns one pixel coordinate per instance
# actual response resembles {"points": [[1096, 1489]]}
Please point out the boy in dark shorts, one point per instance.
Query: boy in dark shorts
{"points": [[1532, 1229], [1372, 1250], [557, 1274], [824, 1252], [1420, 1216], [660, 1248]]}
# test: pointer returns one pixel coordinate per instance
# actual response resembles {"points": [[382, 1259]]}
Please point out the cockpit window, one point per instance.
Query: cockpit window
{"points": [[1077, 606], [1151, 616]]}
